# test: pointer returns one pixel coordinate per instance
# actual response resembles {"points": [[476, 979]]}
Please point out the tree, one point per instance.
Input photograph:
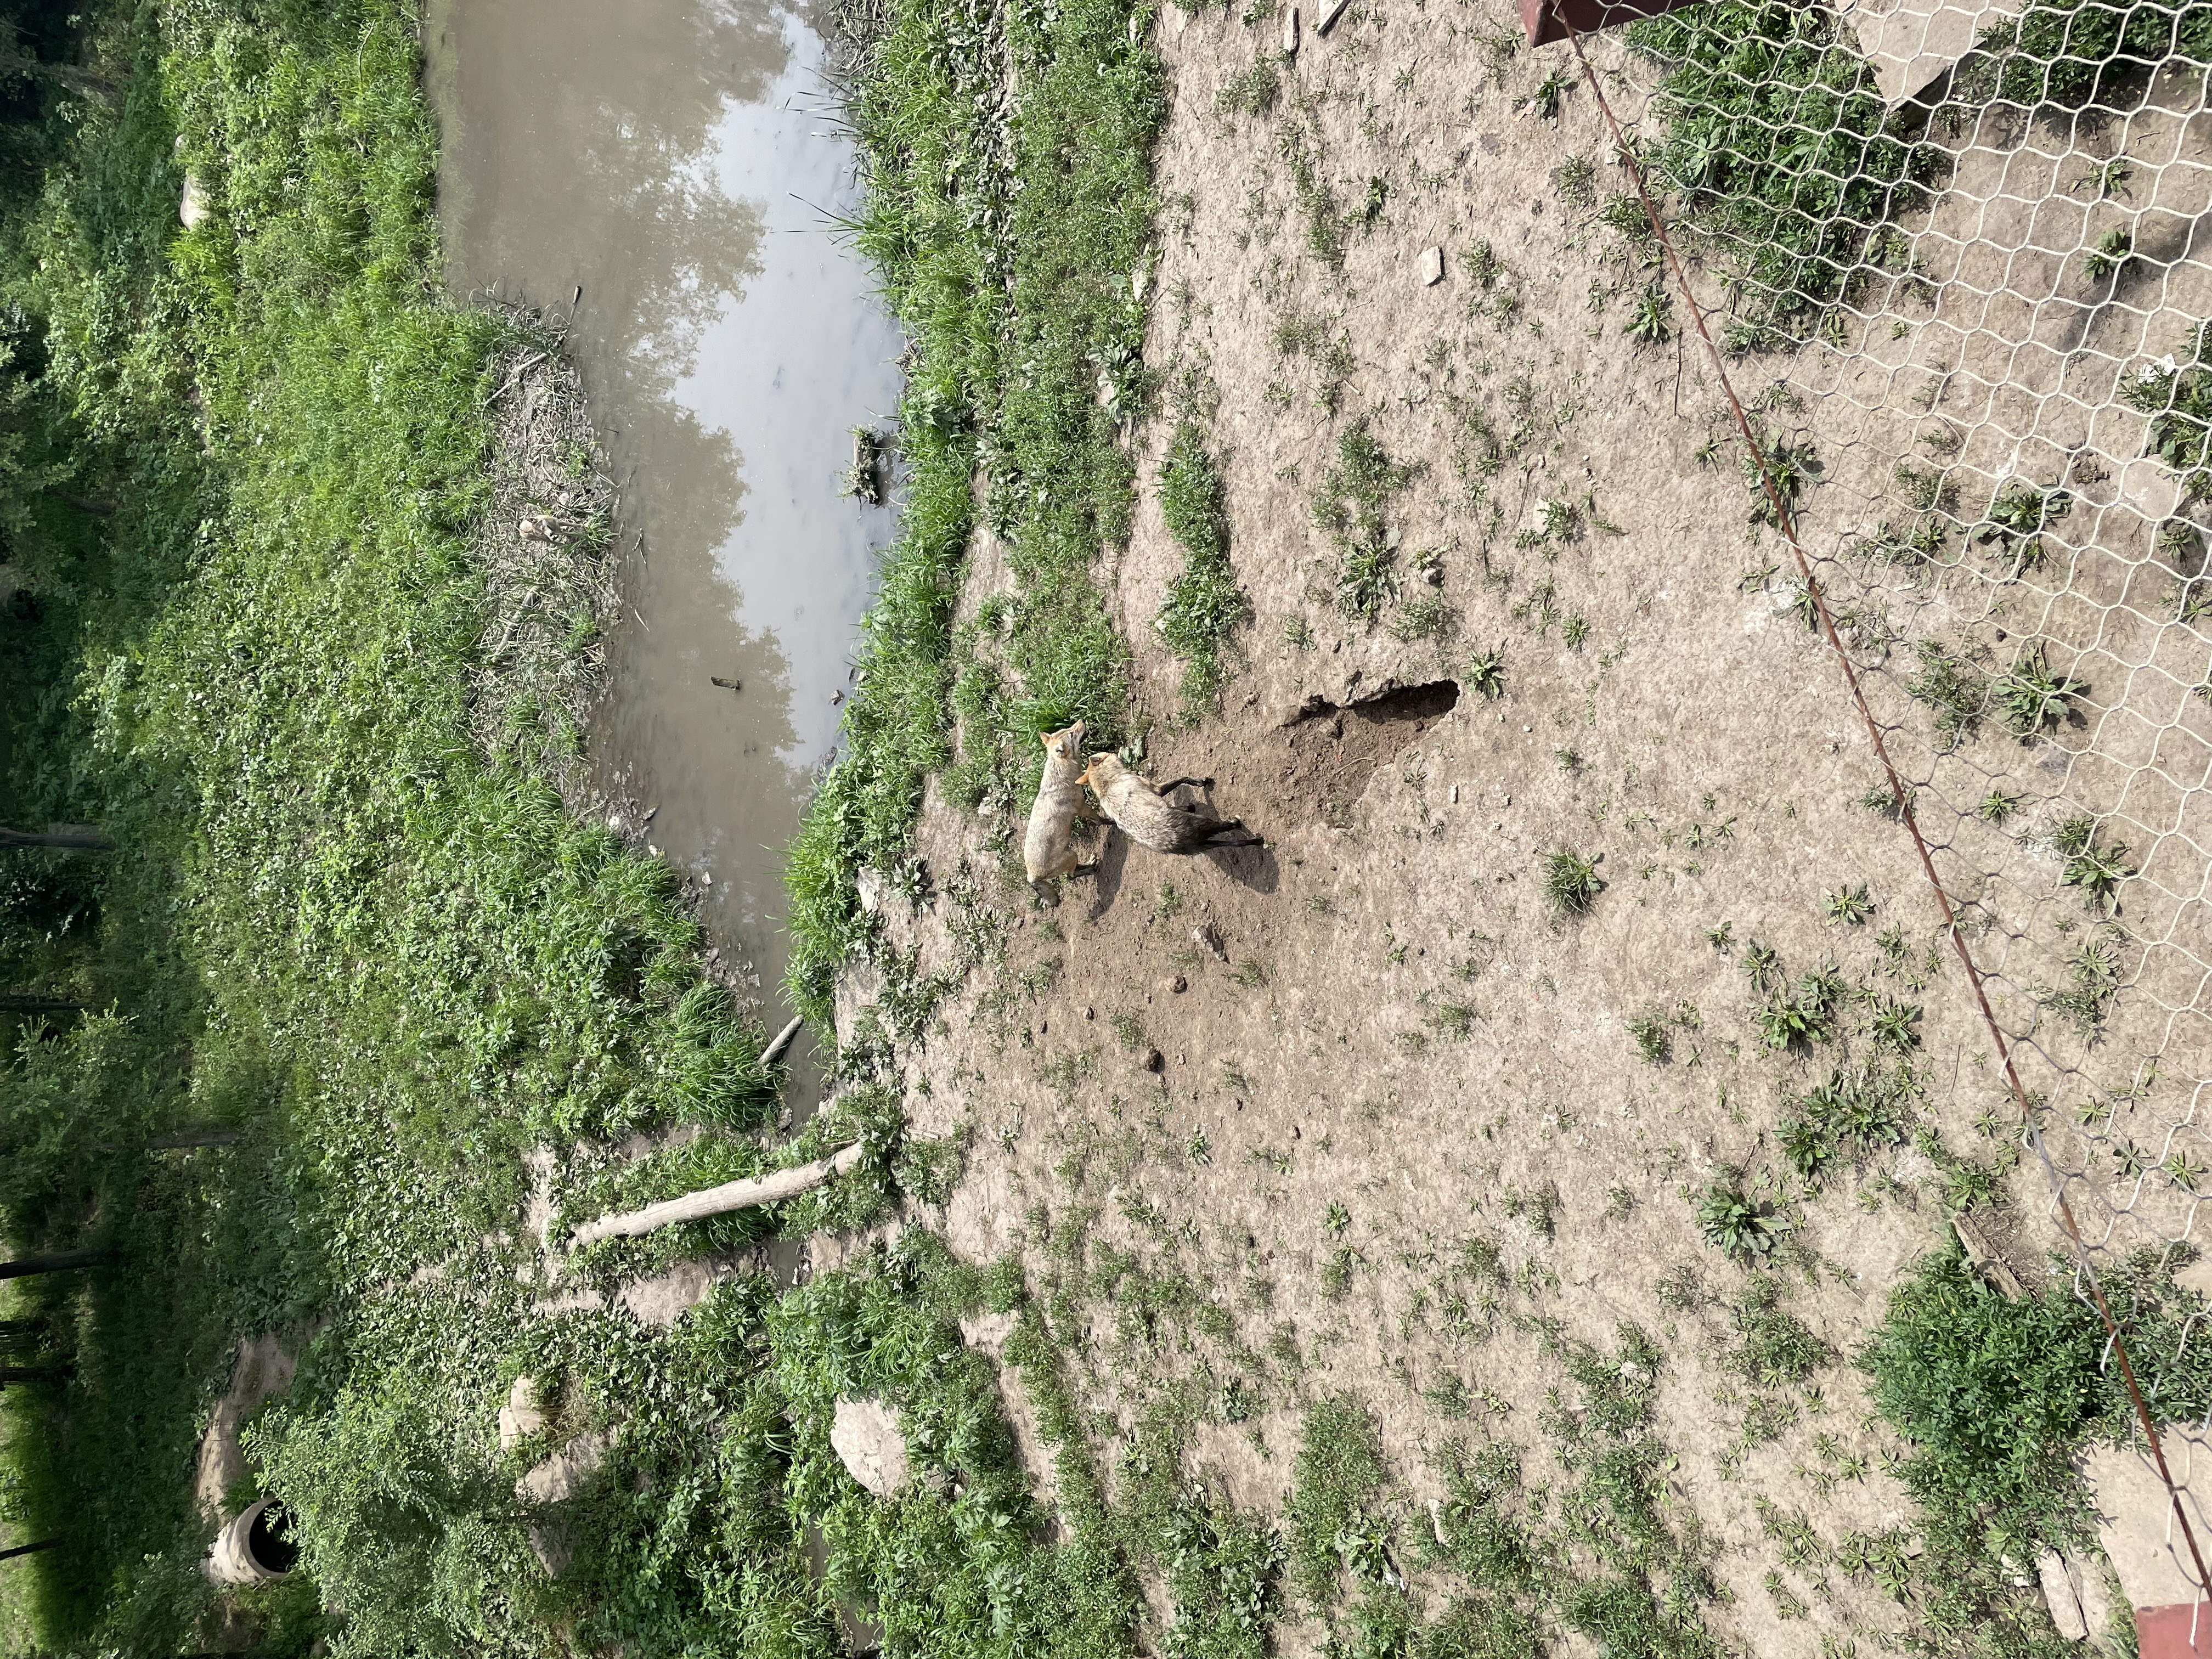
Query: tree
{"points": [[69, 837], [23, 1267]]}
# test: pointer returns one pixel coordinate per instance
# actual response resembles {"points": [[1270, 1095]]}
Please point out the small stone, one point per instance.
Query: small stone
{"points": [[1155, 1060], [1207, 938], [1433, 575], [1290, 33], [193, 208], [561, 1476], [1432, 267], [1090, 1013], [866, 1435], [1178, 985], [1329, 18], [1454, 795]]}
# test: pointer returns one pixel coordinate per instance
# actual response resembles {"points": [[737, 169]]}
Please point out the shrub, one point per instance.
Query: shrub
{"points": [[1993, 1394], [1781, 149]]}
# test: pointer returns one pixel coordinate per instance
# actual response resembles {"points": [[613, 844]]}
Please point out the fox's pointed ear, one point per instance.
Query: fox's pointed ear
{"points": [[1045, 737]]}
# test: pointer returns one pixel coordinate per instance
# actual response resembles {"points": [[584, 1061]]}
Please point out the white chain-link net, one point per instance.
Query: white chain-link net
{"points": [[1953, 253]]}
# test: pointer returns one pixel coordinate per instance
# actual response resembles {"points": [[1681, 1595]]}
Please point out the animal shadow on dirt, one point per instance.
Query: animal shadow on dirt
{"points": [[1113, 859]]}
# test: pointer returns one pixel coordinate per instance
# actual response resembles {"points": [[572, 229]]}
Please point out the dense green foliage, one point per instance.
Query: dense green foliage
{"points": [[2073, 53], [1787, 163], [1008, 249], [1997, 1396]]}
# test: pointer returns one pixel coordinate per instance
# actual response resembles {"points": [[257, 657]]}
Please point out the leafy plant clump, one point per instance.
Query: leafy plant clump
{"points": [[1739, 1226], [1855, 1113], [2178, 398], [2073, 53], [2094, 870], [1571, 882], [1203, 603], [2033, 697], [1348, 508], [1788, 163]]}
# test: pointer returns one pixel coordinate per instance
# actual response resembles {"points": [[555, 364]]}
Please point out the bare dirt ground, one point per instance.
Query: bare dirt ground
{"points": [[1314, 1082]]}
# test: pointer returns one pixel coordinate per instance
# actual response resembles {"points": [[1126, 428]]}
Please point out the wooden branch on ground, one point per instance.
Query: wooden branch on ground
{"points": [[774, 1052], [771, 1188]]}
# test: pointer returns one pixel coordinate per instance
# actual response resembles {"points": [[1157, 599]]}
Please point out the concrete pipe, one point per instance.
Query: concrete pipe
{"points": [[256, 1546]]}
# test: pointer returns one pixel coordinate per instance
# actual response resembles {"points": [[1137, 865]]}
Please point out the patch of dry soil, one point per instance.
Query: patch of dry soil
{"points": [[1401, 1050]]}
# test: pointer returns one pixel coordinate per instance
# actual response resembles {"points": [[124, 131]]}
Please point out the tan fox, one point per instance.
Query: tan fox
{"points": [[1047, 846], [1150, 819]]}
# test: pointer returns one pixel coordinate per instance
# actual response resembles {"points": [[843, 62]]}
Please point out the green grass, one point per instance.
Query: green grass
{"points": [[1786, 163], [2069, 54], [1338, 1474], [1349, 507], [1006, 251], [1571, 882], [389, 963], [1203, 603]]}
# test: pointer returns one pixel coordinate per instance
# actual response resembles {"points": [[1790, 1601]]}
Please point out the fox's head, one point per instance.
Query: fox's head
{"points": [[1101, 771], [1066, 745]]}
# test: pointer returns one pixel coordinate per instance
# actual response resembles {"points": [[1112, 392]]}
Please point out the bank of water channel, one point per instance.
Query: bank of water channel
{"points": [[667, 176]]}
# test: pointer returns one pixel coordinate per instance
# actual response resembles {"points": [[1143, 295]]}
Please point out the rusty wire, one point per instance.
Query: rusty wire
{"points": [[1786, 521]]}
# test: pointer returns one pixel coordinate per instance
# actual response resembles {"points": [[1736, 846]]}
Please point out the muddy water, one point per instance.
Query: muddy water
{"points": [[678, 162]]}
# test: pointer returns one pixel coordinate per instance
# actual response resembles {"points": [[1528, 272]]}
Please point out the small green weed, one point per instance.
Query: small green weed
{"points": [[1571, 882], [1741, 1228], [2095, 872], [1847, 907], [2031, 697], [1654, 1039]]}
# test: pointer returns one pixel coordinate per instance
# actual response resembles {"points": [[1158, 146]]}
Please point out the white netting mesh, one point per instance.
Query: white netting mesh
{"points": [[1956, 253]]}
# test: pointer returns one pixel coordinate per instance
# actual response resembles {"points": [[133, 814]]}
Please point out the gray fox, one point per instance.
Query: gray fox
{"points": [[1047, 846], [1150, 819]]}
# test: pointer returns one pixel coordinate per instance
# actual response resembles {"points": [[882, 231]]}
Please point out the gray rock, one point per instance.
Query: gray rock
{"points": [[562, 1475], [866, 1435], [2061, 1595]]}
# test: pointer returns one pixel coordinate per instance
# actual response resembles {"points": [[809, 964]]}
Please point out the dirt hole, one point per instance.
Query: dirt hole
{"points": [[1330, 750]]}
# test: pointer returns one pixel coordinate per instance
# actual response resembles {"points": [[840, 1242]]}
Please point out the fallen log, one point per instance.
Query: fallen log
{"points": [[774, 1052], [771, 1188]]}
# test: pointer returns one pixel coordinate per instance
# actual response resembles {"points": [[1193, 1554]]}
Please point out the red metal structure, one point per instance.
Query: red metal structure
{"points": [[1554, 20]]}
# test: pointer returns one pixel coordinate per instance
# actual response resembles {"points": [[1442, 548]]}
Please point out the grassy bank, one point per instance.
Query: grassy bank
{"points": [[1010, 243], [329, 925]]}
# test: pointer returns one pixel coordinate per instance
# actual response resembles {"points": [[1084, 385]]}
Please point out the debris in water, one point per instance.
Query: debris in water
{"points": [[864, 481]]}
